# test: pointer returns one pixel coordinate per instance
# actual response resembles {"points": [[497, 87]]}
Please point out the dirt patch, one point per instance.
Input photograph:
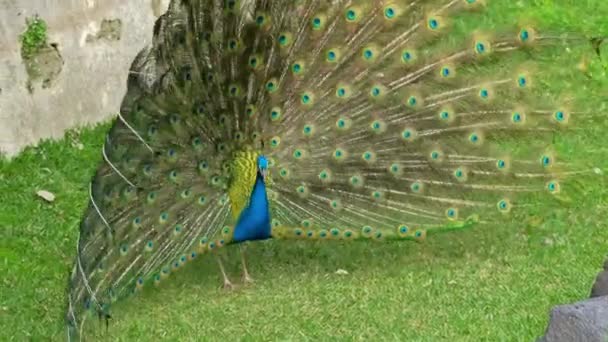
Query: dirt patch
{"points": [[110, 30], [44, 67]]}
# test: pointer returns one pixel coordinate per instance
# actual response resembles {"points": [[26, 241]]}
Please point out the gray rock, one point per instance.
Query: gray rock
{"points": [[585, 321], [600, 288], [46, 195]]}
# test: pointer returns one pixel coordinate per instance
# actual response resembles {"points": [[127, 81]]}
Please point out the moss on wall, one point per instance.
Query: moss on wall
{"points": [[42, 60], [34, 38]]}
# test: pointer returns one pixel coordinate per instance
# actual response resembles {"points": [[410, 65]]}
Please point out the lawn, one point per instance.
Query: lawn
{"points": [[488, 283]]}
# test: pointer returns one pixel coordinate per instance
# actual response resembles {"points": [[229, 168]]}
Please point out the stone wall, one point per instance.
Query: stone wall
{"points": [[82, 72]]}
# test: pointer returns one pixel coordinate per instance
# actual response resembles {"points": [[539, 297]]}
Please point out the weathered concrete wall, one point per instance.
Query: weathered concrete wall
{"points": [[96, 41]]}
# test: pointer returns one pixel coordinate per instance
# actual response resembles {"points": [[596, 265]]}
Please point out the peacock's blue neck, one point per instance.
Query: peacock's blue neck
{"points": [[254, 221]]}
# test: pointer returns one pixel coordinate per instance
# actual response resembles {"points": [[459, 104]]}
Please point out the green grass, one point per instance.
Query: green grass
{"points": [[493, 283], [34, 38]]}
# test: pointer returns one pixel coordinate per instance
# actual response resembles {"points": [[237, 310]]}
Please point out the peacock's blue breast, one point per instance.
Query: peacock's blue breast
{"points": [[254, 221]]}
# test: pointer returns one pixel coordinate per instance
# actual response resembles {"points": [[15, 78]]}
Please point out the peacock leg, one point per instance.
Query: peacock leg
{"points": [[246, 277], [227, 284]]}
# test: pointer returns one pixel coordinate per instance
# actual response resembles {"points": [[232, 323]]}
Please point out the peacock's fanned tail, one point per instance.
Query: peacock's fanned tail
{"points": [[377, 124]]}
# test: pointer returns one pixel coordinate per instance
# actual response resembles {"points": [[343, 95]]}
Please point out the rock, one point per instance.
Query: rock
{"points": [[47, 196], [600, 288], [583, 321]]}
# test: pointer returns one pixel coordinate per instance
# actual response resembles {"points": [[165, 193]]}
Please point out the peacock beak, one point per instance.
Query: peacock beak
{"points": [[263, 173]]}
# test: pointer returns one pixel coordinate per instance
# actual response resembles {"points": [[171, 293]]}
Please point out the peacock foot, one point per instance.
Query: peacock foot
{"points": [[228, 286], [247, 279]]}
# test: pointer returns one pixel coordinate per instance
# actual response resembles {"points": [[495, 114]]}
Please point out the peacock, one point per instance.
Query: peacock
{"points": [[247, 120]]}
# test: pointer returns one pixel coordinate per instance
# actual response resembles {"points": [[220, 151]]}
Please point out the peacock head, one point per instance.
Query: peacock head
{"points": [[262, 166]]}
